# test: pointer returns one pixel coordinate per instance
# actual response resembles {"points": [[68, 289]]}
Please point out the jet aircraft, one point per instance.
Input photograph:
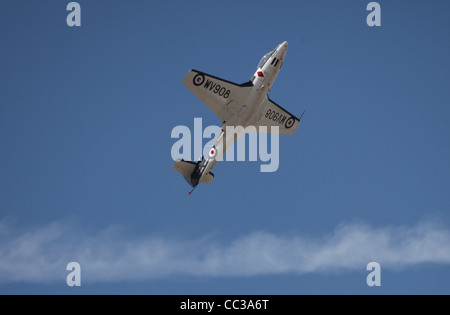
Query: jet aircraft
{"points": [[246, 104]]}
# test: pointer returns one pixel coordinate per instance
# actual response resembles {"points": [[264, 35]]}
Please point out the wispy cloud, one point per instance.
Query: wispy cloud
{"points": [[41, 255]]}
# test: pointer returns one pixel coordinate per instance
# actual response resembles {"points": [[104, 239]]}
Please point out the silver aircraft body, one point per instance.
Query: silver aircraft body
{"points": [[245, 105]]}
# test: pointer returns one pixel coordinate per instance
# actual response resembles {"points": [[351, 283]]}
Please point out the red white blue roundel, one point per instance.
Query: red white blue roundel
{"points": [[212, 152], [289, 123], [199, 79]]}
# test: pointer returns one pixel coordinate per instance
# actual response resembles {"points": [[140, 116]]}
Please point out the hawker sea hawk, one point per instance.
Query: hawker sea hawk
{"points": [[243, 105]]}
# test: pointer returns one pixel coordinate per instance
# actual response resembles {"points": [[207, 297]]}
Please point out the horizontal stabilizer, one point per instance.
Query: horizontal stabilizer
{"points": [[207, 178], [184, 167]]}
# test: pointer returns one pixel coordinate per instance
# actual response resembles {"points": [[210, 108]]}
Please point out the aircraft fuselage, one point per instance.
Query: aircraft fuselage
{"points": [[251, 107]]}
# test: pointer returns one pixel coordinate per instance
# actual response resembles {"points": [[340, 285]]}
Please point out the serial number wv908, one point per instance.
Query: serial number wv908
{"points": [[217, 88], [277, 117]]}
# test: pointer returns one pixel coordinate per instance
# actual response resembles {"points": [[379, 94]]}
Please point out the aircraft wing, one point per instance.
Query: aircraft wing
{"points": [[271, 114], [218, 94]]}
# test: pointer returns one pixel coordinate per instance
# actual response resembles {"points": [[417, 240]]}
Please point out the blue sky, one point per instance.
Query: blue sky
{"points": [[86, 172]]}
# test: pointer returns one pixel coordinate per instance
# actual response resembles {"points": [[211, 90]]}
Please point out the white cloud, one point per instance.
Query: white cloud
{"points": [[41, 255]]}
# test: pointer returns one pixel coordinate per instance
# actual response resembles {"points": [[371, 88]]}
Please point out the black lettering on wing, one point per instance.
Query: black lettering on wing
{"points": [[207, 84]]}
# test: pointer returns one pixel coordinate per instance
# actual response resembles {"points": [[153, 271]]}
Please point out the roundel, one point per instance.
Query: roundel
{"points": [[212, 152], [199, 79], [289, 123]]}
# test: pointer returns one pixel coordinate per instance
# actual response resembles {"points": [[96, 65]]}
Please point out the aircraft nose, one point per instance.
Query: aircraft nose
{"points": [[282, 46]]}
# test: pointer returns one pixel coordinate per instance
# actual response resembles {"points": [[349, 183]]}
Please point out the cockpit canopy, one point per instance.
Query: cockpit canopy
{"points": [[266, 58]]}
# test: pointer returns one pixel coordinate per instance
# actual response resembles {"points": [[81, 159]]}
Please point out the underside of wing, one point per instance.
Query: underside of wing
{"points": [[220, 95], [271, 114]]}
